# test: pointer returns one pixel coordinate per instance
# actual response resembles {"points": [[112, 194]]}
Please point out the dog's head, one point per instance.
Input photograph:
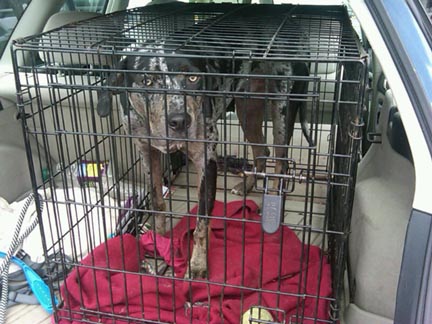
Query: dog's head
{"points": [[166, 97]]}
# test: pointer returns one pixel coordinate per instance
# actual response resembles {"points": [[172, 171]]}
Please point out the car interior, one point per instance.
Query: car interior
{"points": [[384, 181]]}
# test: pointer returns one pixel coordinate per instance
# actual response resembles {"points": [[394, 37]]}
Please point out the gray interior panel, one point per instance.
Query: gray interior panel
{"points": [[382, 206], [14, 170]]}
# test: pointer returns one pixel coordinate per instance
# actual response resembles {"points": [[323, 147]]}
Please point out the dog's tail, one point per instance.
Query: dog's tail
{"points": [[305, 125], [300, 88]]}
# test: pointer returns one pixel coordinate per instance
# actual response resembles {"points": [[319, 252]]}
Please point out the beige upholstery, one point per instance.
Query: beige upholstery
{"points": [[382, 207], [66, 17], [87, 37]]}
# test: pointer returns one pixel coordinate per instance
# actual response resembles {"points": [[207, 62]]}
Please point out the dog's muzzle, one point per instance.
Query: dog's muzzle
{"points": [[179, 121]]}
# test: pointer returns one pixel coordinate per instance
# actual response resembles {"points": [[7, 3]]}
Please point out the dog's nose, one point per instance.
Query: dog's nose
{"points": [[179, 121]]}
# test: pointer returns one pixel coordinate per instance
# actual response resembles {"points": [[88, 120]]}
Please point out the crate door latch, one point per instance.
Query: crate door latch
{"points": [[274, 197]]}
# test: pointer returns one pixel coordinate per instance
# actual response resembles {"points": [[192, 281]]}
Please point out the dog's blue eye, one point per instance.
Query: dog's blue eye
{"points": [[193, 78]]}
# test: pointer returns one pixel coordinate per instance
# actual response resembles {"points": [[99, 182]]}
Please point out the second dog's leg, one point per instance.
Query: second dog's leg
{"points": [[251, 115], [284, 117], [279, 138]]}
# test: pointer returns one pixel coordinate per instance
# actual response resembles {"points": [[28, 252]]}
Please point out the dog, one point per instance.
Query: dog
{"points": [[171, 108], [251, 113]]}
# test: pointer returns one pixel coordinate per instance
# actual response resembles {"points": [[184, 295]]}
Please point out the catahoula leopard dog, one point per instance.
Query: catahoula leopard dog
{"points": [[171, 107]]}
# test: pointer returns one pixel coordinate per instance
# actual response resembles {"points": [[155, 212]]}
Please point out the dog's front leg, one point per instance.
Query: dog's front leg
{"points": [[157, 194], [206, 166], [151, 160]]}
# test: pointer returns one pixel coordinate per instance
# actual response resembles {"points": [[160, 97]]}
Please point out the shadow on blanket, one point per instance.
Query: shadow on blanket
{"points": [[286, 273]]}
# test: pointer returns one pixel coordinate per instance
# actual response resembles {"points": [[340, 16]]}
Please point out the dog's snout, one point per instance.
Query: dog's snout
{"points": [[179, 121]]}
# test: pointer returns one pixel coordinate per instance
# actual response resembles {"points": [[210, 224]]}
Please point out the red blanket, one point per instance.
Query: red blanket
{"points": [[288, 270]]}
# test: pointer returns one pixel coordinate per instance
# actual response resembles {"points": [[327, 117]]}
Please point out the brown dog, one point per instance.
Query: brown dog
{"points": [[283, 112]]}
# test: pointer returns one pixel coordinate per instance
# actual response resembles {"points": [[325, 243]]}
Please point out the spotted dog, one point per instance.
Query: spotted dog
{"points": [[162, 105], [167, 112]]}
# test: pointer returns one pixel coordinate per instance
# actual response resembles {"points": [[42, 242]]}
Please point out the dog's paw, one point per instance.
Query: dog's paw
{"points": [[196, 271], [240, 189]]}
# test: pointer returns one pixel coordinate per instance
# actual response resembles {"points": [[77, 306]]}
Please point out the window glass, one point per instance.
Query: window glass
{"points": [[85, 5], [427, 6], [140, 3], [10, 12]]}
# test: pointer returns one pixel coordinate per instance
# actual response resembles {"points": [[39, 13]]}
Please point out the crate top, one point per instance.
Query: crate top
{"points": [[322, 33]]}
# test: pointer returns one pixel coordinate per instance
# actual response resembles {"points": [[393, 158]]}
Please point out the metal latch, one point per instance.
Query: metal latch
{"points": [[272, 212], [275, 187]]}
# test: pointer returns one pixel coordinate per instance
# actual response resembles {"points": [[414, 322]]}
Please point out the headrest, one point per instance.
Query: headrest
{"points": [[55, 40], [66, 17]]}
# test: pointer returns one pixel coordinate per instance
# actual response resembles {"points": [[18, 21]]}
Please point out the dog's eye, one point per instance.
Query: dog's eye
{"points": [[148, 82], [193, 78]]}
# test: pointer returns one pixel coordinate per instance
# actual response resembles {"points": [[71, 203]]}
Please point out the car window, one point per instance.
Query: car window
{"points": [[10, 12], [427, 5], [139, 3], [85, 5]]}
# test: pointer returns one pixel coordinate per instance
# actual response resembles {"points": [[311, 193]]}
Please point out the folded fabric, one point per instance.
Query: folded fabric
{"points": [[246, 268]]}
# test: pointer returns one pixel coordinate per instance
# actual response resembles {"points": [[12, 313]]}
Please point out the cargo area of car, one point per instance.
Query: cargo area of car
{"points": [[344, 199]]}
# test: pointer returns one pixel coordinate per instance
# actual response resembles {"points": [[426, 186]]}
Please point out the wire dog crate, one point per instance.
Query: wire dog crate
{"points": [[275, 254]]}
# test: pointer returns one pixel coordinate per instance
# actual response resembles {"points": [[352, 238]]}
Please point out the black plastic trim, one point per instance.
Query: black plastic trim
{"points": [[405, 67], [412, 306]]}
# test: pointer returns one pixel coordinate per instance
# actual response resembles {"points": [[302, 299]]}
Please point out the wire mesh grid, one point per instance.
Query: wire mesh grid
{"points": [[286, 31], [93, 176]]}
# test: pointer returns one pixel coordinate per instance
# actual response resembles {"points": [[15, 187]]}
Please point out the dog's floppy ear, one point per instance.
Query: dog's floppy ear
{"points": [[104, 105], [214, 81], [219, 82], [210, 83]]}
